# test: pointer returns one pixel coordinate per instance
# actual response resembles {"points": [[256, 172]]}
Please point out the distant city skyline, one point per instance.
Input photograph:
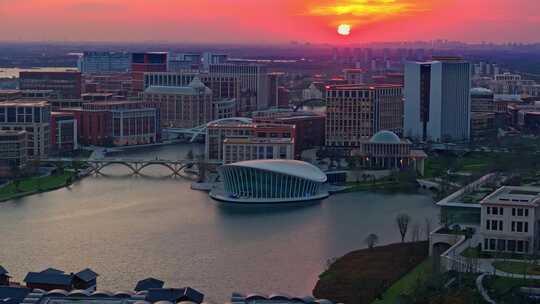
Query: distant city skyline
{"points": [[268, 21]]}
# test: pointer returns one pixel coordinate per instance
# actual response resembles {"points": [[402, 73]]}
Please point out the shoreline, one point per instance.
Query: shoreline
{"points": [[61, 182]]}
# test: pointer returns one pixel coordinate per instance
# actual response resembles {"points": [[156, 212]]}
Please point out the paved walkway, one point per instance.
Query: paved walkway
{"points": [[486, 266], [482, 290]]}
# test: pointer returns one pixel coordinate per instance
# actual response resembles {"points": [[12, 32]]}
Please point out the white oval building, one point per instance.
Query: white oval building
{"points": [[270, 181]]}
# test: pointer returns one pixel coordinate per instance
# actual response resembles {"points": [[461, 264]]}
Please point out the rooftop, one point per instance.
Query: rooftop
{"points": [[87, 275], [59, 296], [518, 196], [149, 283], [246, 125], [97, 94], [16, 295], [257, 140], [51, 278], [24, 103], [418, 154], [9, 91], [347, 87], [174, 295], [67, 71], [30, 91], [448, 58], [3, 270], [13, 295], [196, 87], [385, 137], [482, 92], [353, 70], [11, 133], [276, 298]]}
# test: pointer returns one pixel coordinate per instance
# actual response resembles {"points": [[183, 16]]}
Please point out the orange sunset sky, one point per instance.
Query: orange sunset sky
{"points": [[269, 21]]}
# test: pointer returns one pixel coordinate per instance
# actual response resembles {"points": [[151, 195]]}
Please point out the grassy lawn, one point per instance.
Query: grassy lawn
{"points": [[405, 284], [473, 253], [361, 276], [432, 166], [34, 185], [398, 182], [475, 163], [517, 267], [504, 290]]}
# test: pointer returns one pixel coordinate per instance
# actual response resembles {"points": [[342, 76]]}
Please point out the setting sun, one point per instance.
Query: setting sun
{"points": [[344, 29]]}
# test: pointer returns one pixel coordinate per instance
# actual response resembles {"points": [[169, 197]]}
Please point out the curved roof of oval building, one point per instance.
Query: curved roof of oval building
{"points": [[481, 92], [385, 137], [285, 166]]}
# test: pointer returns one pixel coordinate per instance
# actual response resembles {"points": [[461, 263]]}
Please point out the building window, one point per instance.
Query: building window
{"points": [[520, 246], [520, 212], [494, 225], [492, 244], [526, 212], [486, 244], [511, 245], [501, 245], [513, 211]]}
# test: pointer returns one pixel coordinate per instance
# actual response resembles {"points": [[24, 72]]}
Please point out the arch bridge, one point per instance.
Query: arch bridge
{"points": [[135, 165]]}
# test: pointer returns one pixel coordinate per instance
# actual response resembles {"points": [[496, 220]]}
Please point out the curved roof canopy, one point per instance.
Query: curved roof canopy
{"points": [[481, 92], [285, 166], [385, 137]]}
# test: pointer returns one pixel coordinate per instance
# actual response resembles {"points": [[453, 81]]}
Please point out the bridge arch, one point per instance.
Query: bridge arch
{"points": [[202, 128], [175, 169], [199, 130], [100, 166]]}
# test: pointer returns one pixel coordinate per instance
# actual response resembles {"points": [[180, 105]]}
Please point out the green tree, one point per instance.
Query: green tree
{"points": [[39, 184], [59, 167], [16, 173], [371, 240], [69, 180]]}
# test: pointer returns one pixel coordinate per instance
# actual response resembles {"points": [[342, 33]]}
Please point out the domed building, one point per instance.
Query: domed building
{"points": [[385, 150], [270, 181], [385, 137]]}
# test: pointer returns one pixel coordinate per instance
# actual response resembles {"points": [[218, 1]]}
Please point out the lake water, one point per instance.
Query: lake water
{"points": [[128, 228]]}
